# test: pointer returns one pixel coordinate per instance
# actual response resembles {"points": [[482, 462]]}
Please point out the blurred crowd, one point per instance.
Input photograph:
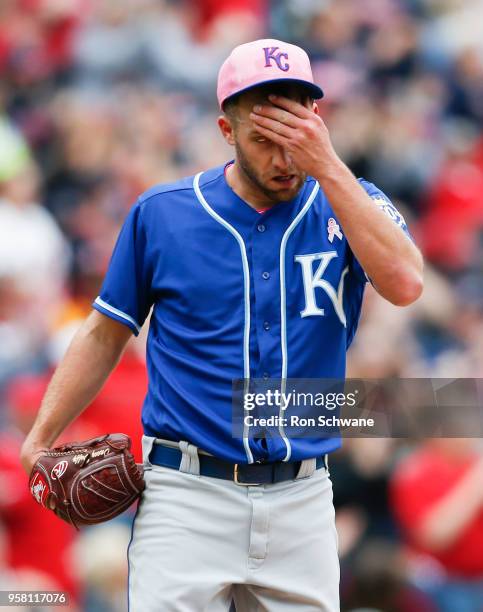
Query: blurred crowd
{"points": [[100, 100]]}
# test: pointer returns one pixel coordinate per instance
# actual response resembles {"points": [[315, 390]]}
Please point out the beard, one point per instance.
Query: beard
{"points": [[274, 195]]}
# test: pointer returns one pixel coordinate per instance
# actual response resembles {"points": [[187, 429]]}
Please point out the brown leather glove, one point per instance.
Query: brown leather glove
{"points": [[89, 482]]}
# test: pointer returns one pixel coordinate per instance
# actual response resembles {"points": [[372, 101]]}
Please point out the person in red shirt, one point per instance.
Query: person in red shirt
{"points": [[437, 499], [36, 541], [39, 540], [117, 405]]}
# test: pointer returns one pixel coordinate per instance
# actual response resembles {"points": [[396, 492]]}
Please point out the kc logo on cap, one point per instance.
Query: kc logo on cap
{"points": [[270, 55]]}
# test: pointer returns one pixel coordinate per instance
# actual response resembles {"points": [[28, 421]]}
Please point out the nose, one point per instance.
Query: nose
{"points": [[281, 159]]}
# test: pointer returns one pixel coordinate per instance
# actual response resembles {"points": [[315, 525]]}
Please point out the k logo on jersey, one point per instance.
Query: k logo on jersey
{"points": [[313, 281]]}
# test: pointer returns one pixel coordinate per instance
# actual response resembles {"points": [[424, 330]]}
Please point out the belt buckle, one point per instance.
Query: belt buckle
{"points": [[242, 484]]}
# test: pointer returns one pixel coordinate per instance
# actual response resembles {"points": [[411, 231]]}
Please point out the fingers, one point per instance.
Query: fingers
{"points": [[294, 108], [278, 120], [273, 136], [272, 125], [286, 118], [278, 114]]}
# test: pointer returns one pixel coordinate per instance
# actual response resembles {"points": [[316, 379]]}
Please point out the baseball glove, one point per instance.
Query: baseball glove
{"points": [[89, 482]]}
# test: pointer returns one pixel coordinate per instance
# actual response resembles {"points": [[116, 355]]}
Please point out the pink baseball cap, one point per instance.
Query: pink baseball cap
{"points": [[264, 61]]}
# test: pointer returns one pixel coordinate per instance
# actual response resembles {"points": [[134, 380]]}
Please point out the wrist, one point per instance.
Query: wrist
{"points": [[29, 454], [332, 170]]}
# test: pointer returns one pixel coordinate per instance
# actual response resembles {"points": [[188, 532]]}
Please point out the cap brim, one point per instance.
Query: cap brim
{"points": [[313, 90]]}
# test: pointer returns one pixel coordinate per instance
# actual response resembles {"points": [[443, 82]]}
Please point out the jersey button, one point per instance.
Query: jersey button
{"points": [[261, 227], [265, 275], [266, 325], [266, 375]]}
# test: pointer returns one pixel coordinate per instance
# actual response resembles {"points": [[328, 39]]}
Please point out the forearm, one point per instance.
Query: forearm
{"points": [[447, 519], [92, 355], [388, 257]]}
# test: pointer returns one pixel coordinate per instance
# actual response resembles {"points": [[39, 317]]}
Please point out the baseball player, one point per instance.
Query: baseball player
{"points": [[252, 269]]}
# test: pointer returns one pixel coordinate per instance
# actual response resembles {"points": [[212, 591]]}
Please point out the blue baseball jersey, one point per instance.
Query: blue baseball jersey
{"points": [[234, 294]]}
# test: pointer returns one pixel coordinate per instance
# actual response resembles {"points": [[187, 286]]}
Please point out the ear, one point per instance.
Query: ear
{"points": [[315, 108], [226, 129]]}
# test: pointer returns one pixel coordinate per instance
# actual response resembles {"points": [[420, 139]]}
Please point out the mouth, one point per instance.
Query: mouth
{"points": [[285, 180]]}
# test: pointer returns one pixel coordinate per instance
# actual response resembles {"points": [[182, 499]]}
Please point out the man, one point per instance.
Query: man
{"points": [[253, 269], [437, 498]]}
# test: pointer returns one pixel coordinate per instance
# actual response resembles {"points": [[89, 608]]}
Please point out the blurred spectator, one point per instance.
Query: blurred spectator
{"points": [[360, 474], [33, 541], [36, 36], [117, 407], [33, 255], [450, 229], [33, 249], [15, 579], [109, 45], [438, 501], [104, 571], [377, 582]]}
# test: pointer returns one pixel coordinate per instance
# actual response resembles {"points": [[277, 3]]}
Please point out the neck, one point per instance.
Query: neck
{"points": [[245, 188]]}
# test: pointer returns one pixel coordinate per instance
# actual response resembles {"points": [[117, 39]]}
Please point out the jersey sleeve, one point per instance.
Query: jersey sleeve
{"points": [[126, 291], [381, 200]]}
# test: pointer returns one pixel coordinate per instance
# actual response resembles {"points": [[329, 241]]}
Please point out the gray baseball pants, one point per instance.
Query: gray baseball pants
{"points": [[199, 542]]}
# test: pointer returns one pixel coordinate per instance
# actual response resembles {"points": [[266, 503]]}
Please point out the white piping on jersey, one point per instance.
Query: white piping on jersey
{"points": [[246, 283], [283, 306], [117, 312]]}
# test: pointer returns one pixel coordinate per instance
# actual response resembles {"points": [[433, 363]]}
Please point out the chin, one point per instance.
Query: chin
{"points": [[287, 194]]}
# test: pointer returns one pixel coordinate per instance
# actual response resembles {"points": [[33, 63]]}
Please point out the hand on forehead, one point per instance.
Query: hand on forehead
{"points": [[255, 97]]}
